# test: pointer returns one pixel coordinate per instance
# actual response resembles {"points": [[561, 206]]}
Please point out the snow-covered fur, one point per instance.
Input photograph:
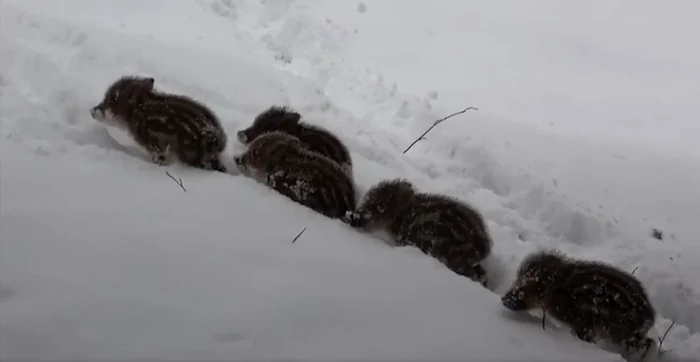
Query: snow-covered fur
{"points": [[284, 163], [163, 124], [316, 138], [440, 226], [597, 301]]}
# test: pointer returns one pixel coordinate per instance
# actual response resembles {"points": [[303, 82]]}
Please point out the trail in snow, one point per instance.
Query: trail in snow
{"points": [[625, 72], [52, 72], [593, 198]]}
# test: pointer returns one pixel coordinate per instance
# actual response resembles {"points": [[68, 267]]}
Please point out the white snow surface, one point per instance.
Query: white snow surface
{"points": [[585, 140]]}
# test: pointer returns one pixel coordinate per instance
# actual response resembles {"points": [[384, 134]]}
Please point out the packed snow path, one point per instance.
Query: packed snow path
{"points": [[98, 246]]}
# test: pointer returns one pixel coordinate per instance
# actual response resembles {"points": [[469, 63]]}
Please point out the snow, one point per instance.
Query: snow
{"points": [[584, 140]]}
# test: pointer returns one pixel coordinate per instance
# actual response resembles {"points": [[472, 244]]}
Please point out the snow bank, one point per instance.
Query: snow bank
{"points": [[71, 289]]}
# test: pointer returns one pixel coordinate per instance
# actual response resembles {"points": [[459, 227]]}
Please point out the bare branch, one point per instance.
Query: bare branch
{"points": [[635, 269], [178, 181], [662, 339], [422, 137], [298, 235]]}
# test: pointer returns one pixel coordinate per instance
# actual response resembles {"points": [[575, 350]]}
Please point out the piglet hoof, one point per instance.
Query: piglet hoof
{"points": [[162, 158], [347, 217], [355, 219], [216, 165]]}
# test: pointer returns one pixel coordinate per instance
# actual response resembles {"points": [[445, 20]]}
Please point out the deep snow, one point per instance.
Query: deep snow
{"points": [[86, 271]]}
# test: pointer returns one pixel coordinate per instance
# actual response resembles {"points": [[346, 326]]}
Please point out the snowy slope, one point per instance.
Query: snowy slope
{"points": [[96, 271], [103, 256]]}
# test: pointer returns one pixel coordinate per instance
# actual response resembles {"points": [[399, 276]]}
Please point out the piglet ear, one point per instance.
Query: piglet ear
{"points": [[148, 83]]}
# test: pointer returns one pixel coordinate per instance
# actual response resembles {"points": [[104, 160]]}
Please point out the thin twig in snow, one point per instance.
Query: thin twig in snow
{"points": [[662, 339], [178, 181], [422, 137], [298, 235], [544, 317]]}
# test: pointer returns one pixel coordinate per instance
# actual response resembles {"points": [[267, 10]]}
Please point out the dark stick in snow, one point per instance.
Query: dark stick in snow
{"points": [[662, 339], [298, 235], [178, 181]]}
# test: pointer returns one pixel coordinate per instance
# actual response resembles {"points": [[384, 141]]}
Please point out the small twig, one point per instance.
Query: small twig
{"points": [[298, 235], [422, 137], [662, 339], [635, 269], [178, 181], [544, 317]]}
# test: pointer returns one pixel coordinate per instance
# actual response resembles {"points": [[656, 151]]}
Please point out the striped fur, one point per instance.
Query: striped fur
{"points": [[440, 226], [596, 300], [284, 163], [286, 120], [166, 125]]}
